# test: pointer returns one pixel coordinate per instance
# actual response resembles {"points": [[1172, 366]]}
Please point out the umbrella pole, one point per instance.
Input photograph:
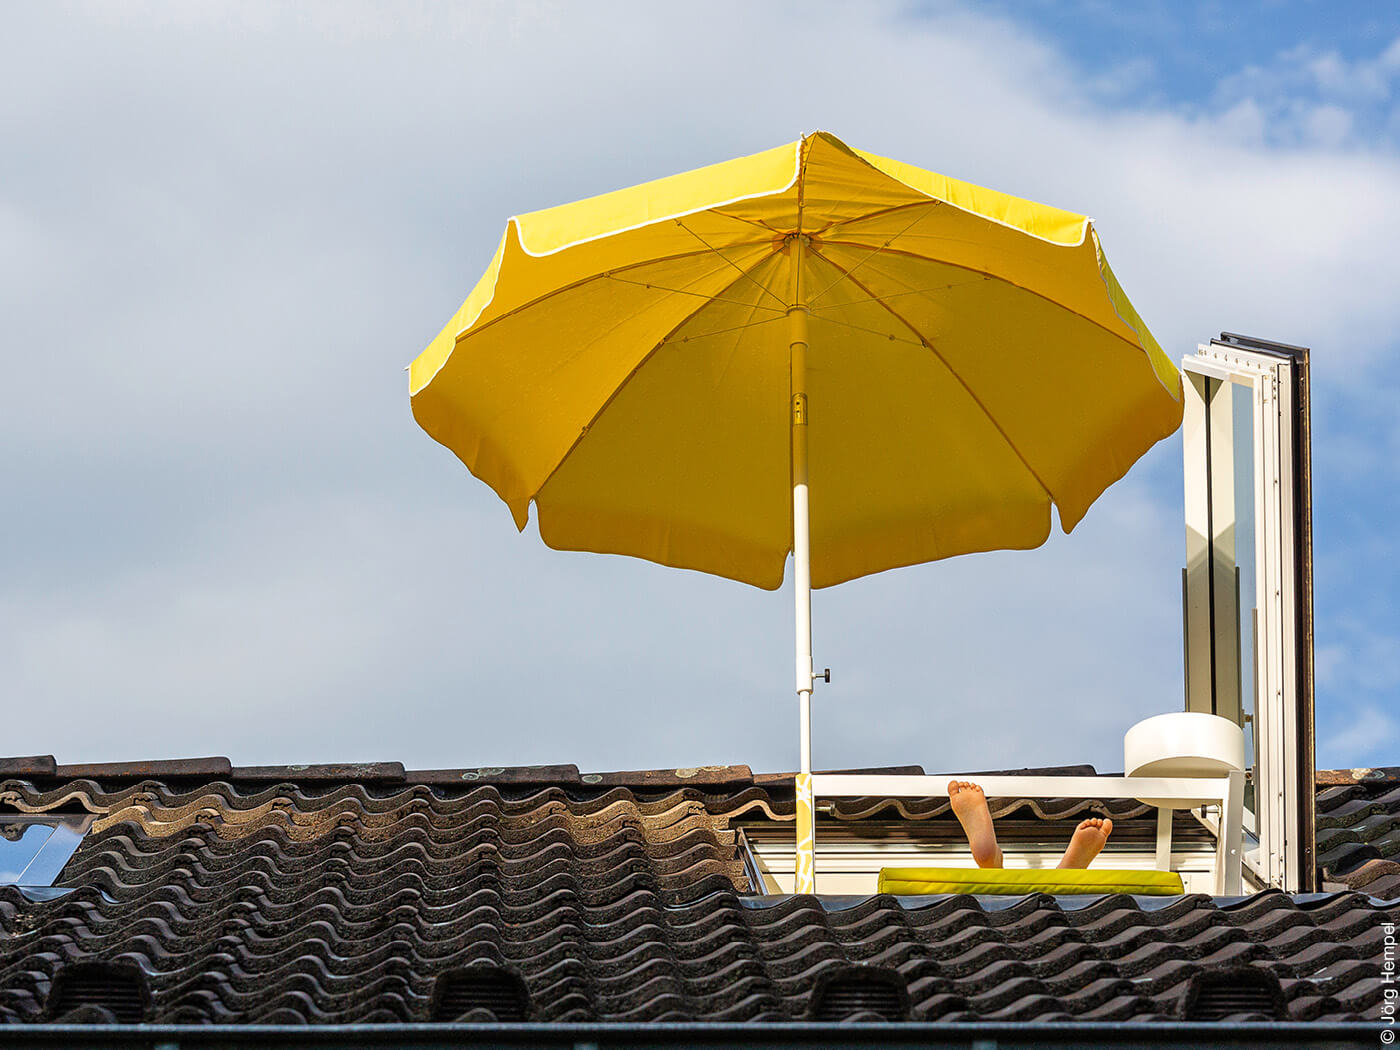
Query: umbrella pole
{"points": [[804, 880]]}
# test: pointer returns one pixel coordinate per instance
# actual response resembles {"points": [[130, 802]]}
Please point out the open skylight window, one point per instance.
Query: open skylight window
{"points": [[35, 847], [1247, 585]]}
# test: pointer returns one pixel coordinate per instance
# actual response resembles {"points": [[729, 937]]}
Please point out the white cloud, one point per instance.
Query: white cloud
{"points": [[1372, 736], [1317, 98], [1366, 662]]}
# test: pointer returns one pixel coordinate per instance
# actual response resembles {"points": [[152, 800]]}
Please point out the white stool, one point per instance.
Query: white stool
{"points": [[1189, 744]]}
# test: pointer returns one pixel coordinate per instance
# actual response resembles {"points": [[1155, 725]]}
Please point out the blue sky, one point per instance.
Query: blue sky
{"points": [[1189, 53], [227, 228], [1337, 59]]}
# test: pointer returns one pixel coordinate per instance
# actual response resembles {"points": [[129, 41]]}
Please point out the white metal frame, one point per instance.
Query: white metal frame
{"points": [[855, 851], [1209, 486], [1226, 792]]}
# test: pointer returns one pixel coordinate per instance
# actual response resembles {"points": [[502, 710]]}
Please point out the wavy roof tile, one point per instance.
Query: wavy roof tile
{"points": [[370, 894]]}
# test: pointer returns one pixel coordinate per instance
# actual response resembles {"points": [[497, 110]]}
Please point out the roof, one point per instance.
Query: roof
{"points": [[1358, 829], [353, 894]]}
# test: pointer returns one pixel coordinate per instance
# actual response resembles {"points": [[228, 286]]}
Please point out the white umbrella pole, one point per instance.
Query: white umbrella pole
{"points": [[805, 862]]}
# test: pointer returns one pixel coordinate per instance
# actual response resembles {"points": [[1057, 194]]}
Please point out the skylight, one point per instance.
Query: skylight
{"points": [[34, 848]]}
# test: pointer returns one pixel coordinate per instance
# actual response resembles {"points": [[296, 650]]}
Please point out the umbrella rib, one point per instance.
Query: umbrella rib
{"points": [[846, 274], [731, 262], [896, 295], [772, 230], [877, 213], [620, 387], [612, 273], [803, 153], [871, 331], [734, 328], [698, 295], [992, 277], [961, 382]]}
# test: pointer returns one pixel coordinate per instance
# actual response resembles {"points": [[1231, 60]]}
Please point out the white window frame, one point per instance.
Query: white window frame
{"points": [[1225, 793], [1279, 846], [854, 852]]}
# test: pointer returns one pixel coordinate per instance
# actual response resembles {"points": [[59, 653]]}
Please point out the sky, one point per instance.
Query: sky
{"points": [[226, 228]]}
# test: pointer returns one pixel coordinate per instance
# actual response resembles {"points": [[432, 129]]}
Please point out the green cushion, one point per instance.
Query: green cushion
{"points": [[915, 881]]}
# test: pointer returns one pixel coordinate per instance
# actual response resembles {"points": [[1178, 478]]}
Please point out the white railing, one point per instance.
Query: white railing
{"points": [[1225, 791]]}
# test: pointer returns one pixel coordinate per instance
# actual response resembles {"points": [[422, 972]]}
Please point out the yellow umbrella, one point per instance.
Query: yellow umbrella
{"points": [[655, 368]]}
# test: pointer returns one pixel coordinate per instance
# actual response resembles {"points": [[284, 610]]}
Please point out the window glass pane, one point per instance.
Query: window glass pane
{"points": [[19, 844], [1246, 539]]}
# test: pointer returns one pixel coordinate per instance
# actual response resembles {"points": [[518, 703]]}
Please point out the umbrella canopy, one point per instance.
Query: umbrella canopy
{"points": [[669, 370], [624, 363]]}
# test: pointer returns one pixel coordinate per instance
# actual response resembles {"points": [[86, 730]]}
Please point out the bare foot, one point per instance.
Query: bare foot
{"points": [[1088, 839], [970, 807]]}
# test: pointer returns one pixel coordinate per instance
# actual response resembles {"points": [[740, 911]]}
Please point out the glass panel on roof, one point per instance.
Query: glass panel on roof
{"points": [[19, 845], [34, 848], [1246, 544]]}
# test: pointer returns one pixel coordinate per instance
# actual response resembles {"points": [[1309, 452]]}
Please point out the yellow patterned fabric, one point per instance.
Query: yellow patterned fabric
{"points": [[805, 876], [624, 366], [1020, 881]]}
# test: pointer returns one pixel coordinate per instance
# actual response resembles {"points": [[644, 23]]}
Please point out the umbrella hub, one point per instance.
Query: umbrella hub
{"points": [[796, 246], [793, 245]]}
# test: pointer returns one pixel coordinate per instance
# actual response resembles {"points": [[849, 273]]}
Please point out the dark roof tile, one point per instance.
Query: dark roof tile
{"points": [[1327, 777], [534, 776], [1358, 829], [158, 769], [358, 772], [1379, 878], [34, 766], [706, 776], [337, 894]]}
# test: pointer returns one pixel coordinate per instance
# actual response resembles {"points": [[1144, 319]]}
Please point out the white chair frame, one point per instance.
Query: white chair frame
{"points": [[1226, 791]]}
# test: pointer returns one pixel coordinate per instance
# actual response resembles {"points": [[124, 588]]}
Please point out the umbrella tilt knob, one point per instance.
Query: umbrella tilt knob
{"points": [[825, 676]]}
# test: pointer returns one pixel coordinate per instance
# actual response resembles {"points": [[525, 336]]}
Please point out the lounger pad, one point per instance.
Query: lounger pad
{"points": [[916, 881]]}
